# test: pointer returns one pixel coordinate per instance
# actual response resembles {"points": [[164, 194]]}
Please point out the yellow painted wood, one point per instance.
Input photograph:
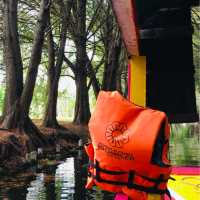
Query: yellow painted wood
{"points": [[138, 91], [138, 80]]}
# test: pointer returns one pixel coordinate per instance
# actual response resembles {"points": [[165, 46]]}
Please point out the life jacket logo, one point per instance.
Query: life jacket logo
{"points": [[117, 134]]}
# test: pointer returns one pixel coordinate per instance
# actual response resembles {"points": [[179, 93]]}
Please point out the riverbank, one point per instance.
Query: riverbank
{"points": [[15, 156]]}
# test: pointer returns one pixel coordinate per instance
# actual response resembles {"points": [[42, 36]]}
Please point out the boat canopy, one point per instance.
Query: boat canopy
{"points": [[158, 38]]}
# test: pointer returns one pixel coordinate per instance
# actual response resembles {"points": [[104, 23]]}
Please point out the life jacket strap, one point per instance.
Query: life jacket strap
{"points": [[130, 182], [130, 173]]}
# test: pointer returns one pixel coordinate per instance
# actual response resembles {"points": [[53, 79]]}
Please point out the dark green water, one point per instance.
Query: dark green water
{"points": [[62, 180], [54, 180]]}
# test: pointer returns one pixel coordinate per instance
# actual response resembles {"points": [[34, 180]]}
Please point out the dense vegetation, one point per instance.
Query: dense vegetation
{"points": [[62, 53], [62, 48]]}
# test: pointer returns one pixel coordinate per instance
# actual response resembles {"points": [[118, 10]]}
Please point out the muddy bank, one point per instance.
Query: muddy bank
{"points": [[16, 156]]}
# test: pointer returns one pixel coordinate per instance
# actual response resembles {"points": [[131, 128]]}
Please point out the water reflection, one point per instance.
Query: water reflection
{"points": [[63, 180], [37, 189], [67, 185], [97, 194], [56, 184], [53, 182]]}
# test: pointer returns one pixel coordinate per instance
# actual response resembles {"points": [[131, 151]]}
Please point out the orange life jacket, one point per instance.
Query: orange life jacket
{"points": [[129, 148]]}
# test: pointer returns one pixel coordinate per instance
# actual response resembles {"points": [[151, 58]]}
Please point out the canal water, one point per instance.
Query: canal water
{"points": [[62, 179], [53, 180]]}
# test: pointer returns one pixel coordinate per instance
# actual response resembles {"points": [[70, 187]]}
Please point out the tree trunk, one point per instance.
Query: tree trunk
{"points": [[112, 45], [50, 112], [93, 79], [35, 59], [111, 73], [82, 109], [5, 106], [122, 80], [95, 84], [19, 98], [50, 119], [55, 70], [13, 61]]}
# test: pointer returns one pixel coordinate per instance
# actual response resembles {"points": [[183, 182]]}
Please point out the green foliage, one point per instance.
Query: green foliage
{"points": [[196, 51], [99, 15], [66, 99], [184, 144], [180, 131], [2, 93], [196, 44], [65, 106], [58, 187], [39, 99], [92, 100]]}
